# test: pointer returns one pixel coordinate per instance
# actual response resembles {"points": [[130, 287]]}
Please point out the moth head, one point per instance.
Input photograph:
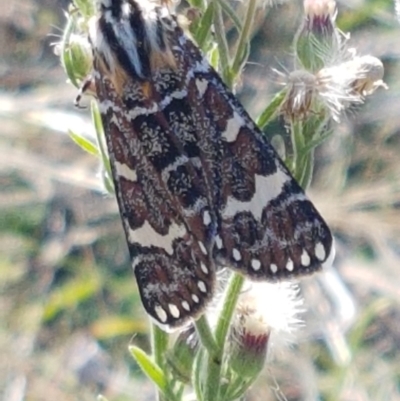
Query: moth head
{"points": [[131, 39]]}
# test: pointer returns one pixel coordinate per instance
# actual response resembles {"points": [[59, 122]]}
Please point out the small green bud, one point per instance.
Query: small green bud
{"points": [[318, 40], [76, 58], [85, 7], [249, 345], [182, 355]]}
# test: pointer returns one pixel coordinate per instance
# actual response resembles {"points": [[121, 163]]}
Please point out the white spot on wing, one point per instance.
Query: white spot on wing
{"points": [[160, 312], [124, 171], [267, 188], [290, 265], [174, 311], [273, 267], [185, 305], [195, 298], [305, 258], [202, 85], [206, 218], [202, 286], [255, 264], [146, 236], [236, 254], [233, 126], [320, 251], [203, 268], [218, 242], [203, 248]]}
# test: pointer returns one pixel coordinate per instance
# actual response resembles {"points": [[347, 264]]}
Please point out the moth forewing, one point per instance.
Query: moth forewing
{"points": [[197, 184]]}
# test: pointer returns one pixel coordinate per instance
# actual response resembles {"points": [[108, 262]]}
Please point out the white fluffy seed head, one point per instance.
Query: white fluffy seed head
{"points": [[270, 308]]}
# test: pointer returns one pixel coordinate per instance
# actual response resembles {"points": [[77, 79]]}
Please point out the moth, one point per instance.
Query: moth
{"points": [[199, 187]]}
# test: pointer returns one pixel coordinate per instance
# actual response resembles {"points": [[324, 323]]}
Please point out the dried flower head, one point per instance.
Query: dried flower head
{"points": [[332, 89], [348, 83]]}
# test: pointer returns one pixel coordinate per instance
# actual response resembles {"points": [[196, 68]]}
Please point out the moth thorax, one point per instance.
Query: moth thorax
{"points": [[132, 38]]}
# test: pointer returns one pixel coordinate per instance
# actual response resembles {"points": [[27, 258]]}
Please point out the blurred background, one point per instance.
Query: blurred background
{"points": [[69, 305]]}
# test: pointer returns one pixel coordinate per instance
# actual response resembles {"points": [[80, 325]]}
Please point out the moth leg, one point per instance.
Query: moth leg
{"points": [[88, 87]]}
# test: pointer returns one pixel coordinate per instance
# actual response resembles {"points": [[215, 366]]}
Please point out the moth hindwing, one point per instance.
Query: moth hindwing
{"points": [[198, 186]]}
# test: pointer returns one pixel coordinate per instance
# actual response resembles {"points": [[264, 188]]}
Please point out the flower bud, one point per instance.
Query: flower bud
{"points": [[264, 311], [318, 40], [249, 347], [77, 53], [182, 355]]}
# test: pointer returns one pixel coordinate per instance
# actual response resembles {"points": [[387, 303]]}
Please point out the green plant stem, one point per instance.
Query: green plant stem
{"points": [[307, 169], [206, 336], [296, 132], [203, 31], [230, 12], [159, 345], [196, 374], [306, 136], [303, 158], [242, 48], [213, 378], [225, 317], [214, 355], [222, 44], [272, 110]]}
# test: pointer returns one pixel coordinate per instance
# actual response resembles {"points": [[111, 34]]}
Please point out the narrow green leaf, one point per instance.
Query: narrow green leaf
{"points": [[98, 125], [150, 368], [221, 40], [214, 57], [85, 7], [315, 142], [238, 389], [271, 110], [113, 326], [96, 117], [107, 182], [84, 143], [242, 49], [70, 295], [204, 27], [198, 369], [230, 12], [200, 4]]}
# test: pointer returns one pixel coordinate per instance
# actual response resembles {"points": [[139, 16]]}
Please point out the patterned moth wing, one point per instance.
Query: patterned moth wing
{"points": [[197, 184]]}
